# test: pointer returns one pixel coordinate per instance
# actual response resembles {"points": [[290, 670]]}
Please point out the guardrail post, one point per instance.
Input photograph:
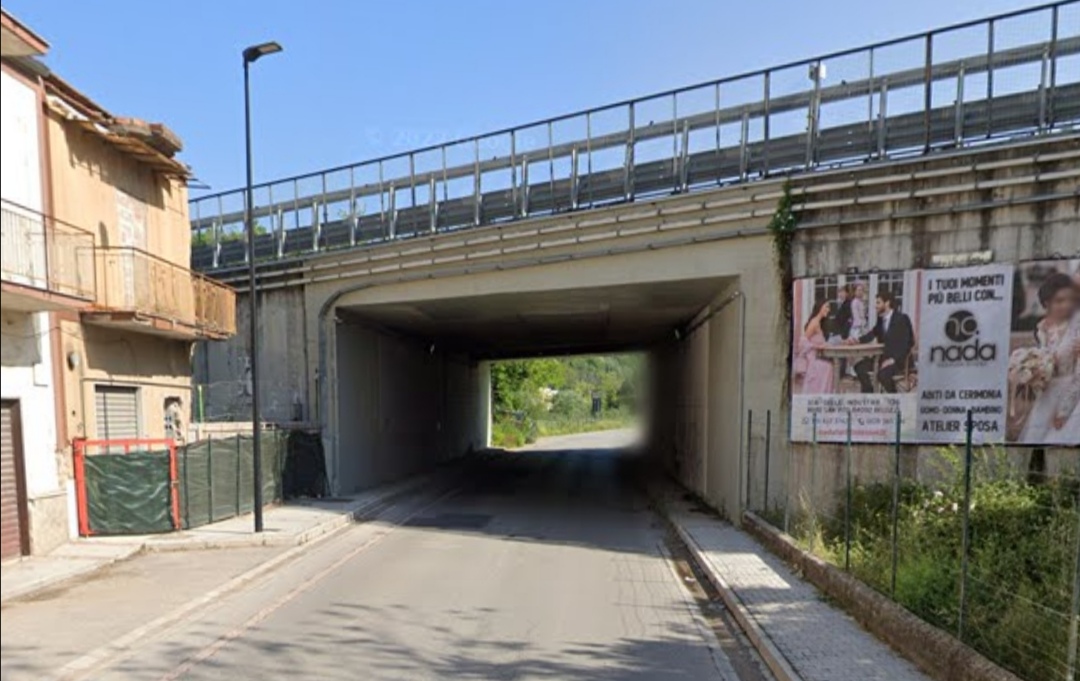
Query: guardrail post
{"points": [[928, 90], [433, 206], [1043, 86], [990, 79], [392, 209], [765, 143], [719, 154], [958, 121], [574, 178], [316, 226], [513, 172], [215, 229], [1055, 12], [354, 222], [280, 234], [526, 191], [883, 124], [628, 163], [744, 156], [478, 207], [412, 179], [588, 155], [382, 200], [684, 163]]}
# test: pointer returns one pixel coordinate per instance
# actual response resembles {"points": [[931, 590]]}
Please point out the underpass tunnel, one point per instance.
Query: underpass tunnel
{"points": [[412, 376]]}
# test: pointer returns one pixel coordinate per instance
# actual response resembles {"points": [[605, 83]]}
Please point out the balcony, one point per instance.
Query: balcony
{"points": [[141, 292], [47, 264]]}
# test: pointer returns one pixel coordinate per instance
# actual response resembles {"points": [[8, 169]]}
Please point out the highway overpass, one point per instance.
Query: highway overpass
{"points": [[387, 287]]}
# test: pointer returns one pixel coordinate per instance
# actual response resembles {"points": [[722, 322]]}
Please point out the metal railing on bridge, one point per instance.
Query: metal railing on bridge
{"points": [[1007, 76]]}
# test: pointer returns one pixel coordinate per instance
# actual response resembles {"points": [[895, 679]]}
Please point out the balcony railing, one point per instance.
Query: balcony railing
{"points": [[135, 281], [43, 253]]}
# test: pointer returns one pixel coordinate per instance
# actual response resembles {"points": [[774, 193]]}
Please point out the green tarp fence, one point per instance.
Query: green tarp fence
{"points": [[215, 477], [128, 493]]}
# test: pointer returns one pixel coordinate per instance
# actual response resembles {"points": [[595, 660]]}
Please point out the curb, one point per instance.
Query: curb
{"points": [[346, 517], [83, 667], [937, 653], [42, 585], [774, 659]]}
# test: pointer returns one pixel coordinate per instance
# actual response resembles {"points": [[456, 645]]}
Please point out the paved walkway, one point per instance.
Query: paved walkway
{"points": [[815, 640], [287, 525]]}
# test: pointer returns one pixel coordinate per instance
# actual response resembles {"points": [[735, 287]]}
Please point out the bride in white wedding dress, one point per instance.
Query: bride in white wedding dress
{"points": [[1055, 416]]}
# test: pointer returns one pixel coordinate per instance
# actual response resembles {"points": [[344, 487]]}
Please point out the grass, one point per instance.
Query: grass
{"points": [[1023, 557], [511, 432]]}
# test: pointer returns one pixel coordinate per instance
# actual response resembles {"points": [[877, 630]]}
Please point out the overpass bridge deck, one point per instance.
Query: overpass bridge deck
{"points": [[962, 86]]}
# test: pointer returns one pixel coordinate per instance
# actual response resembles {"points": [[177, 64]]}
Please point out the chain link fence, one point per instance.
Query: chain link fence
{"points": [[980, 541]]}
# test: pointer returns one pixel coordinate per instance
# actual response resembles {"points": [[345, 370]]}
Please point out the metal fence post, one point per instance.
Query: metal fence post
{"points": [[789, 477], [896, 508], [847, 506], [239, 472], [813, 486], [1074, 625], [749, 459], [966, 547], [210, 478], [768, 458]]}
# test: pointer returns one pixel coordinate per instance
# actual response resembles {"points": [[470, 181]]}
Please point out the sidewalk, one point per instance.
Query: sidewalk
{"points": [[800, 636], [291, 524]]}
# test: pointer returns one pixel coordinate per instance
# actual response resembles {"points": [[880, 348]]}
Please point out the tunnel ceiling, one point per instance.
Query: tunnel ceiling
{"points": [[568, 321]]}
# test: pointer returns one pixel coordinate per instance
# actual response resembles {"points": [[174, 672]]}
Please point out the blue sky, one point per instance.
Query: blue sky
{"points": [[362, 79]]}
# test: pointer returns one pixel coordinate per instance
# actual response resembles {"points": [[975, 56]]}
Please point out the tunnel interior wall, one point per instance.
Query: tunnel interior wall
{"points": [[401, 407]]}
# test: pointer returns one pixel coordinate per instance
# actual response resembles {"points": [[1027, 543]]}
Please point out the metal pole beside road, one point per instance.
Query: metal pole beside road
{"points": [[896, 507], [964, 557], [847, 506], [251, 55], [1074, 624]]}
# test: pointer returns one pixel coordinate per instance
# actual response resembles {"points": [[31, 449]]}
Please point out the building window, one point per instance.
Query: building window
{"points": [[174, 419], [117, 412]]}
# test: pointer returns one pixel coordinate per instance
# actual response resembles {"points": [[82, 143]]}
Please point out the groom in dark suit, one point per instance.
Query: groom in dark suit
{"points": [[894, 331]]}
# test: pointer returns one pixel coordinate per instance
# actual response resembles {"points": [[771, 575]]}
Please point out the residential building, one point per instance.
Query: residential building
{"points": [[99, 308]]}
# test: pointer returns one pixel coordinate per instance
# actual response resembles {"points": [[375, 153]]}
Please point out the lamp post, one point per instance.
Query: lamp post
{"points": [[251, 55]]}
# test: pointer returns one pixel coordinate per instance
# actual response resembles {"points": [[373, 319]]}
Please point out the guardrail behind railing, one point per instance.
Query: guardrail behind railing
{"points": [[1013, 74], [42, 252]]}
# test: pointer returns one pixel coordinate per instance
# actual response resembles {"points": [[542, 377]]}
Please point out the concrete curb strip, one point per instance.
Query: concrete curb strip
{"points": [[935, 652], [332, 524], [83, 667], [777, 663], [49, 583]]}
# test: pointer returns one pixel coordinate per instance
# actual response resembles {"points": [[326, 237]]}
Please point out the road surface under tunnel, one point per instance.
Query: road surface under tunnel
{"points": [[545, 563]]}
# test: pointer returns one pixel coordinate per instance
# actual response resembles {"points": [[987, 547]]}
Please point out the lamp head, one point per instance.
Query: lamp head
{"points": [[256, 52]]}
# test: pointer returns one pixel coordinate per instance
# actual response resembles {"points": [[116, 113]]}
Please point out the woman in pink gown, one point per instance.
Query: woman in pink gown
{"points": [[817, 371]]}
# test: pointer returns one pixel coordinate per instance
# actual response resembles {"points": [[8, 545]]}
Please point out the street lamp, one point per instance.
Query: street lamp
{"points": [[251, 55]]}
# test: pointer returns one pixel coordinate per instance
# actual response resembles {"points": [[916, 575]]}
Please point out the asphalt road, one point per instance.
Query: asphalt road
{"points": [[543, 564]]}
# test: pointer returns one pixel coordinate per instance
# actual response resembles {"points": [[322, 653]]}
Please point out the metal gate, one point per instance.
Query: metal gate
{"points": [[13, 537], [126, 486]]}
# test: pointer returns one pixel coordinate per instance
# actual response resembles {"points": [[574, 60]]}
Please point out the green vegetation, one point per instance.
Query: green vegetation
{"points": [[1023, 557], [204, 237], [542, 397]]}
